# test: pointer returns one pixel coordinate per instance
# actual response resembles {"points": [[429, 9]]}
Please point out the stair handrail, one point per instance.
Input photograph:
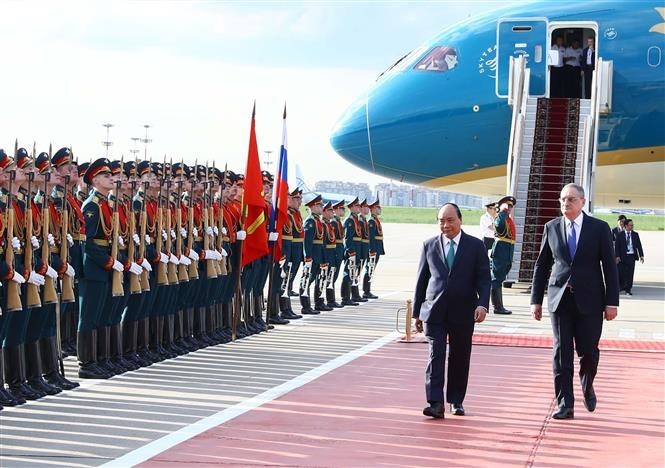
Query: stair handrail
{"points": [[591, 147], [518, 92]]}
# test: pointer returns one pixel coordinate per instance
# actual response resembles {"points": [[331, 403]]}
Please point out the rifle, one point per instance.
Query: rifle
{"points": [[193, 272], [371, 266], [116, 278], [182, 269], [134, 280], [213, 221], [67, 284], [13, 288], [304, 279], [285, 275], [330, 278], [171, 270], [50, 294], [162, 277], [211, 270], [33, 299], [220, 226], [145, 278]]}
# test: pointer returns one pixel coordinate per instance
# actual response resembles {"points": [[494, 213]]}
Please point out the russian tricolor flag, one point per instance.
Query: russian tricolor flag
{"points": [[280, 194]]}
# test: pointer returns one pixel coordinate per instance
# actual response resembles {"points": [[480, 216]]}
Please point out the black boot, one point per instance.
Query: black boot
{"points": [[51, 365], [104, 352], [346, 293], [307, 306], [355, 295], [34, 365], [330, 299], [117, 350], [285, 308], [6, 398], [87, 356], [367, 285], [33, 370], [497, 301], [146, 356], [12, 360], [277, 311]]}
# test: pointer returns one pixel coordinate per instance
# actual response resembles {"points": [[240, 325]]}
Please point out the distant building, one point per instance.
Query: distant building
{"points": [[344, 188]]}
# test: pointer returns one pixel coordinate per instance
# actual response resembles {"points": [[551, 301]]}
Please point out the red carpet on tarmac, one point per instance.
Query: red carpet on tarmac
{"points": [[369, 413]]}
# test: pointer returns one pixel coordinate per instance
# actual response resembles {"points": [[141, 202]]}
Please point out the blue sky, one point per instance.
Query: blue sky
{"points": [[192, 70]]}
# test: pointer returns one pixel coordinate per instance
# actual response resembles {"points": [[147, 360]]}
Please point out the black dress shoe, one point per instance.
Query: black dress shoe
{"points": [[563, 412], [502, 311], [590, 400], [457, 409], [309, 312], [369, 295], [290, 315], [54, 378], [277, 320], [7, 399], [349, 302], [90, 371], [435, 410], [293, 293]]}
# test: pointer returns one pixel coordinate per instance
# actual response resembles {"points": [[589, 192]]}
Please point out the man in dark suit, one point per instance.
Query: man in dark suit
{"points": [[588, 64], [617, 230], [575, 247], [628, 249], [452, 293]]}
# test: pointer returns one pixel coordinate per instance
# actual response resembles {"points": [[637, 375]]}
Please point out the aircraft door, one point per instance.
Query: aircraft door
{"points": [[522, 36]]}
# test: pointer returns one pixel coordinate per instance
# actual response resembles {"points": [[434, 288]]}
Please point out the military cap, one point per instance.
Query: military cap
{"points": [[328, 205], [156, 168], [178, 170], [491, 205], [507, 199], [230, 177], [22, 158], [312, 199], [129, 169], [296, 191], [354, 202], [216, 174], [61, 157], [143, 168], [116, 167], [376, 203], [200, 172], [363, 203], [5, 160], [42, 162], [83, 168], [99, 166], [239, 179], [267, 177], [339, 204]]}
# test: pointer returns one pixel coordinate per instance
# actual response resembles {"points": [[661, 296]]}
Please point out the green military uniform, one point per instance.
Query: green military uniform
{"points": [[502, 253]]}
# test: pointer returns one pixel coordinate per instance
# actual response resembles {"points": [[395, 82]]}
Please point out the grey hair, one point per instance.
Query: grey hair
{"points": [[577, 187]]}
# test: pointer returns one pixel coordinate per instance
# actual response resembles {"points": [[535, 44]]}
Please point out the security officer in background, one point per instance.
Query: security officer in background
{"points": [[314, 258], [502, 251], [375, 247], [487, 225]]}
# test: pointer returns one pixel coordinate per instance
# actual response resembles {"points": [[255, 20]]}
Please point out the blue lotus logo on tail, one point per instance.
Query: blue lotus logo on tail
{"points": [[660, 27]]}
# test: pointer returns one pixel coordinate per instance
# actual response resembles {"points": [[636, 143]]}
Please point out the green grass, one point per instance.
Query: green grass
{"points": [[394, 214]]}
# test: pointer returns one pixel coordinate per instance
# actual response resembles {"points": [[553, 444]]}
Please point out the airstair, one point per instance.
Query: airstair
{"points": [[553, 142]]}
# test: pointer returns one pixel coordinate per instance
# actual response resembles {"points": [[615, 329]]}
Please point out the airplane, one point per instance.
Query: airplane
{"points": [[439, 116]]}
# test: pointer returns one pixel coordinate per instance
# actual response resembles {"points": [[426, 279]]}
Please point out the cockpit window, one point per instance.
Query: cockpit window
{"points": [[404, 62], [440, 59]]}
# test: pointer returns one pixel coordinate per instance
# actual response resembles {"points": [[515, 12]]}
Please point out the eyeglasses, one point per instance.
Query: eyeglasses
{"points": [[570, 199]]}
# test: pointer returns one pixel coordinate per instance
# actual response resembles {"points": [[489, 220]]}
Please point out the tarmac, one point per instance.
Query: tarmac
{"points": [[338, 389]]}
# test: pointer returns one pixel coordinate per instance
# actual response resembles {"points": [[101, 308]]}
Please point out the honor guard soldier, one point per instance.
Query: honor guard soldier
{"points": [[296, 259], [330, 253], [338, 227], [502, 251], [284, 268], [375, 247], [364, 248], [97, 267], [352, 246], [314, 259]]}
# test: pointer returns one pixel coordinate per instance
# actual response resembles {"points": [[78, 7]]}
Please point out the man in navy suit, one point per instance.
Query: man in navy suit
{"points": [[628, 249], [582, 288], [452, 293], [588, 64]]}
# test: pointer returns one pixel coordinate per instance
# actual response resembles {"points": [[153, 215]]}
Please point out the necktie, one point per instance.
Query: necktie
{"points": [[450, 258], [572, 241], [628, 239]]}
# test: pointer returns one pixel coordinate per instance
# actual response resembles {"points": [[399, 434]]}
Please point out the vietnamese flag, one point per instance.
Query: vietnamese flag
{"points": [[253, 204], [280, 195]]}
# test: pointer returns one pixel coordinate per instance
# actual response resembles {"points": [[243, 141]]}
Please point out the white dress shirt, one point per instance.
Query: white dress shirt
{"points": [[629, 242], [561, 50], [589, 54], [573, 55], [487, 225], [446, 244]]}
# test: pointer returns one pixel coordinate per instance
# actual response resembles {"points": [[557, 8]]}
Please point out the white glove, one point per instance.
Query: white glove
{"points": [[147, 239], [70, 240], [195, 232], [183, 232], [70, 271], [173, 259], [172, 234], [224, 253], [211, 255], [241, 235], [163, 258], [273, 236], [135, 268], [163, 234], [117, 266], [224, 231], [193, 255], [146, 265], [209, 231], [308, 264], [18, 278], [215, 230], [36, 278], [51, 239], [137, 239], [16, 244], [185, 260], [35, 242], [51, 273], [121, 241]]}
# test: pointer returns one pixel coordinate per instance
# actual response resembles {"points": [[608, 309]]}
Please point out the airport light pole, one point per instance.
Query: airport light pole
{"points": [[145, 141], [267, 162], [107, 143], [135, 151]]}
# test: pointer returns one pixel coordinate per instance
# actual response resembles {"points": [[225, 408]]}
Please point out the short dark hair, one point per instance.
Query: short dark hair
{"points": [[457, 210], [627, 221], [621, 217]]}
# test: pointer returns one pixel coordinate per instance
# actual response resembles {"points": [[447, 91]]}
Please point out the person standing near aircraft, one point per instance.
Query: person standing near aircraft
{"points": [[487, 225], [628, 249], [588, 65], [375, 247], [502, 252], [557, 77], [451, 295], [582, 288], [314, 258], [616, 231], [573, 71]]}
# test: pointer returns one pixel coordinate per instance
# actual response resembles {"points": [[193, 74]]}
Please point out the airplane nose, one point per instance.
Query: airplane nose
{"points": [[349, 137]]}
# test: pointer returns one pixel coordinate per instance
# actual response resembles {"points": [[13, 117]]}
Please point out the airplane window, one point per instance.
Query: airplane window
{"points": [[438, 59], [404, 62]]}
